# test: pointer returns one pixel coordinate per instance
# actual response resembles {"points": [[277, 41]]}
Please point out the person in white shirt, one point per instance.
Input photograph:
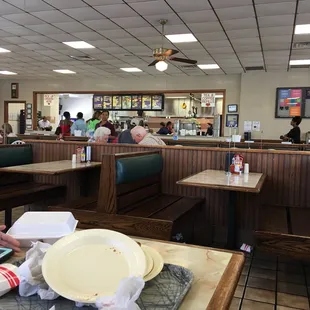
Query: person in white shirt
{"points": [[140, 135], [45, 124]]}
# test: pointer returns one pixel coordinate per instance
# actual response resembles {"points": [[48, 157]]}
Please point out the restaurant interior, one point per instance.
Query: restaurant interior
{"points": [[183, 183]]}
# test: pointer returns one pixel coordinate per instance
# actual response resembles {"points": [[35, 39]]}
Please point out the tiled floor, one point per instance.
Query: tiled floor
{"points": [[269, 282]]}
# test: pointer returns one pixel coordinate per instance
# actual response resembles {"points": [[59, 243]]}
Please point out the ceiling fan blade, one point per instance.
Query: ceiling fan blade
{"points": [[171, 52], [187, 61], [153, 63]]}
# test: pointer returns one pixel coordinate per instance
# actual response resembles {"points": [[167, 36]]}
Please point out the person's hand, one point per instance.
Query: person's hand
{"points": [[8, 241]]}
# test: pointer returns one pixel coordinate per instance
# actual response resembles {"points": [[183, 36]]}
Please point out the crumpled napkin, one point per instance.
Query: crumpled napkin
{"points": [[32, 281], [125, 297]]}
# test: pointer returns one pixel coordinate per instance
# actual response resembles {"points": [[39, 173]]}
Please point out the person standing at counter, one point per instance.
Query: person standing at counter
{"points": [[65, 124], [140, 135], [91, 123], [294, 134], [105, 123], [79, 124]]}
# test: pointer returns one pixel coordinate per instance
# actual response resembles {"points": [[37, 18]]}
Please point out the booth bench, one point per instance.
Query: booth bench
{"points": [[130, 200]]}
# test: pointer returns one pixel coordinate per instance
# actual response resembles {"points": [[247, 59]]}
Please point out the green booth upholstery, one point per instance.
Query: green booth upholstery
{"points": [[15, 155], [132, 169]]}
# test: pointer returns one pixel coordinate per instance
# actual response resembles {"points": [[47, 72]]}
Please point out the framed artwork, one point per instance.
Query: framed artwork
{"points": [[289, 102], [117, 102], [232, 120], [157, 102], [97, 102], [232, 108], [146, 102], [107, 102]]}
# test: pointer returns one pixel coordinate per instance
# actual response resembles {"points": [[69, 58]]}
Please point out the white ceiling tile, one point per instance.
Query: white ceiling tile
{"points": [[113, 50], [81, 14], [87, 36], [244, 23], [30, 5], [151, 7], [302, 52], [273, 9], [275, 21], [250, 55], [130, 22], [246, 41], [247, 48], [104, 2], [116, 10], [4, 23], [187, 6], [23, 19], [198, 17], [303, 18], [66, 4], [276, 46], [205, 27], [49, 53], [143, 32], [173, 19], [244, 33], [220, 50], [212, 36], [53, 16], [38, 39], [103, 24], [127, 42], [62, 37], [302, 38], [277, 39], [5, 34], [236, 12], [20, 31], [33, 46], [6, 8], [103, 43], [115, 34], [71, 27], [55, 46], [304, 6], [174, 29], [15, 40], [274, 31], [275, 54], [222, 43], [219, 4], [45, 29]]}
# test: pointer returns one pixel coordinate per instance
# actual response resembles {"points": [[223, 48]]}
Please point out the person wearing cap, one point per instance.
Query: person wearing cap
{"points": [[140, 135], [7, 241]]}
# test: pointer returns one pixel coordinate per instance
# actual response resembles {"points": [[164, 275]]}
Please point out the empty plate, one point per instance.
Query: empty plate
{"points": [[158, 263]]}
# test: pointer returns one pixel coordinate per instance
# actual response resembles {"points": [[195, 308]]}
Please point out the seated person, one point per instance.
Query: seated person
{"points": [[140, 135], [79, 124], [8, 130], [166, 130], [7, 241], [102, 135], [125, 136], [294, 134], [44, 124]]}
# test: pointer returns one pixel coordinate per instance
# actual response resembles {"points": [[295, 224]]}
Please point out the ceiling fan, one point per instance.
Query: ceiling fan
{"points": [[162, 54]]}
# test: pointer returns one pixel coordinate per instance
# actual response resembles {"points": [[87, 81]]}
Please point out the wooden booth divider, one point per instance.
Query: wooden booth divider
{"points": [[285, 187]]}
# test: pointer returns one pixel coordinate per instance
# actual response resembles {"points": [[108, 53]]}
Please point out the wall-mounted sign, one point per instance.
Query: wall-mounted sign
{"points": [[208, 100], [129, 102], [51, 99], [232, 120], [290, 102]]}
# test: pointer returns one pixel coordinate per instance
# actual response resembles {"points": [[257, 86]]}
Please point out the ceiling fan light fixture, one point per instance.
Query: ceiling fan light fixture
{"points": [[161, 66]]}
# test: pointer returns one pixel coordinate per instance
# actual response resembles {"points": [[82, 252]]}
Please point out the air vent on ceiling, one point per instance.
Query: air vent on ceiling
{"points": [[82, 58], [301, 45], [254, 68], [300, 67]]}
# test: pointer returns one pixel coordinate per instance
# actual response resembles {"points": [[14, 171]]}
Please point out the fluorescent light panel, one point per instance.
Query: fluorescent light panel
{"points": [[4, 50], [131, 69], [299, 62], [209, 66], [302, 29], [79, 44], [64, 71], [181, 38], [7, 73]]}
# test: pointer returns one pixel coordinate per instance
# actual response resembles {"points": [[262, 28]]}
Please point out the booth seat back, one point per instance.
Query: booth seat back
{"points": [[133, 169], [15, 155]]}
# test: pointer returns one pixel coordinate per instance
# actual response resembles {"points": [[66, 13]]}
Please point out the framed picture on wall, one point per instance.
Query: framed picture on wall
{"points": [[289, 102], [136, 102], [157, 102], [232, 108], [126, 102], [232, 120]]}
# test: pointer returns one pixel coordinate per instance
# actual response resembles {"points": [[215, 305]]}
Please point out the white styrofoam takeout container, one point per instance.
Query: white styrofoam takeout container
{"points": [[47, 227]]}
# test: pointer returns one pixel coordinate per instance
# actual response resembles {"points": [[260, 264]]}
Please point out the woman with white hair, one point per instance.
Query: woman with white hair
{"points": [[102, 134]]}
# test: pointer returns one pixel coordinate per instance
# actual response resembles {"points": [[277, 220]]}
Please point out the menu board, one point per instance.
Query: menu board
{"points": [[136, 102], [117, 103], [157, 102], [97, 102], [152, 102], [126, 102], [107, 102], [289, 102], [146, 102]]}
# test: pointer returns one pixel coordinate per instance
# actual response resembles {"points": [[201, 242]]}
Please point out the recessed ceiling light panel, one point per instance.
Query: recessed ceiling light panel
{"points": [[299, 62], [4, 50], [208, 66], [181, 38], [64, 71], [131, 69], [302, 29], [79, 44], [7, 73]]}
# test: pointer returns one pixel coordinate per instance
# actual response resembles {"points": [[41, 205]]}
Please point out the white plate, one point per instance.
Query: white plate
{"points": [[90, 264], [149, 261], [158, 263]]}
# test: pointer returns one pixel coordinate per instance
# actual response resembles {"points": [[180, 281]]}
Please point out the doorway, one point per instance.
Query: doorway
{"points": [[12, 113]]}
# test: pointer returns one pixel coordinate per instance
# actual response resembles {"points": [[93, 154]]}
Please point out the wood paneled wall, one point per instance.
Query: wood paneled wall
{"points": [[286, 184]]}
